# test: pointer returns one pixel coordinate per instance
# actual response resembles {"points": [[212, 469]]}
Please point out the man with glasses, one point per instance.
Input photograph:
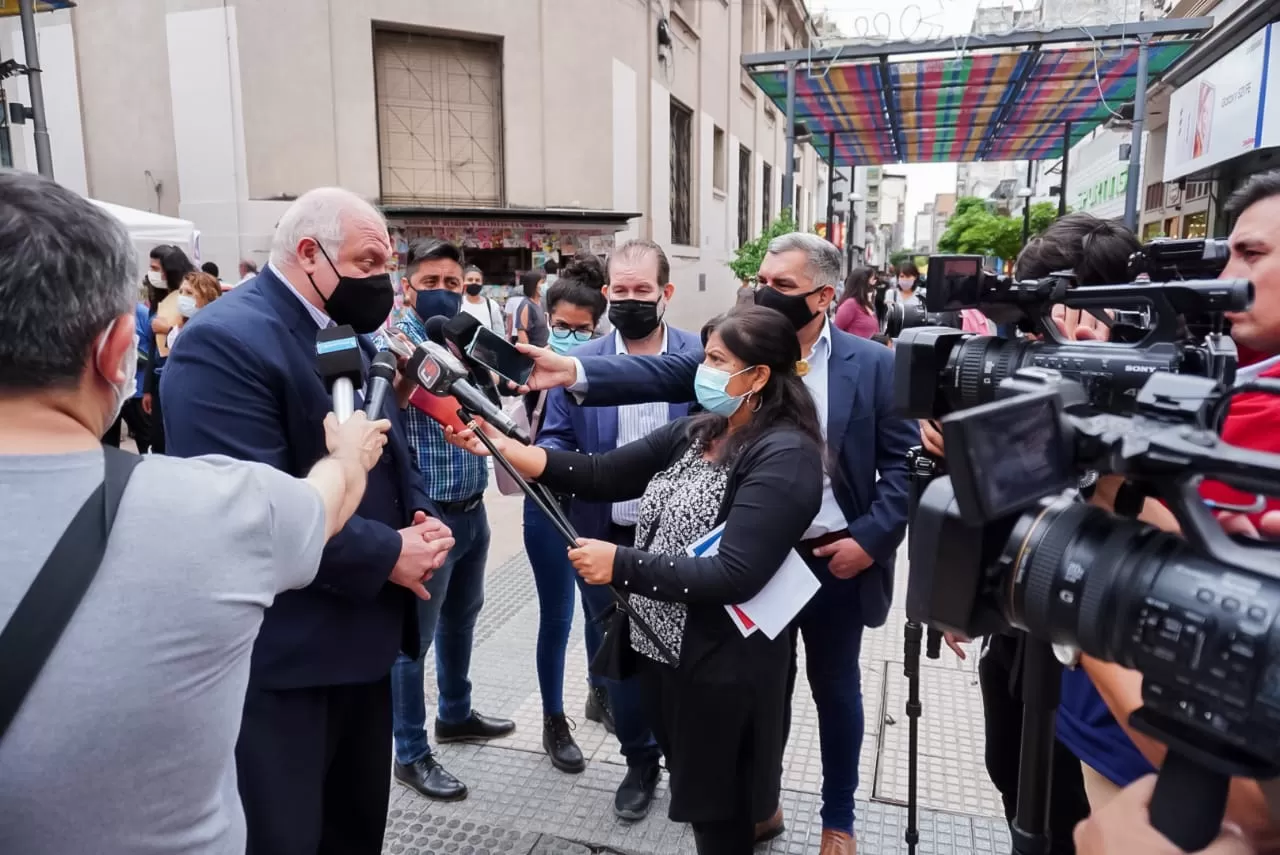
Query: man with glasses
{"points": [[456, 481], [639, 293]]}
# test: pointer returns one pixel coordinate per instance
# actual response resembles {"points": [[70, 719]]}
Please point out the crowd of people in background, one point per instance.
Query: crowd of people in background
{"points": [[321, 563]]}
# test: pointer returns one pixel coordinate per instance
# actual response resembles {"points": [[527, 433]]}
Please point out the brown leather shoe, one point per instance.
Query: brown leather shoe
{"points": [[770, 828], [837, 843]]}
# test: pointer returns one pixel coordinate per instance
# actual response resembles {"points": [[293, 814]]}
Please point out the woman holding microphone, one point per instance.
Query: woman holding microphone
{"points": [[752, 462]]}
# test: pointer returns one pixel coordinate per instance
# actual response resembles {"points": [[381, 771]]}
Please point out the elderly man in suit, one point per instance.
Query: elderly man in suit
{"points": [[313, 756], [639, 291], [852, 543]]}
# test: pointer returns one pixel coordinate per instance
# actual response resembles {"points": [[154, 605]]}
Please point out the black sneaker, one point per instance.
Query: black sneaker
{"points": [[474, 728], [432, 780], [635, 793], [558, 741], [598, 708]]}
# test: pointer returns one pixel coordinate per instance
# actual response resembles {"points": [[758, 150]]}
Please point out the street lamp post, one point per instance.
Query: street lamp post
{"points": [[1025, 194], [854, 199]]}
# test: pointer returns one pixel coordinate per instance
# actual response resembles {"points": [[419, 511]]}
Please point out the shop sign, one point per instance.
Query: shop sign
{"points": [[1220, 113]]}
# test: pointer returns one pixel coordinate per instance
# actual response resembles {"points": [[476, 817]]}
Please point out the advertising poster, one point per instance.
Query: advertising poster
{"points": [[1218, 115]]}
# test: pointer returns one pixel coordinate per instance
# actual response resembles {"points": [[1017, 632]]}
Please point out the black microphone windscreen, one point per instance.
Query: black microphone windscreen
{"points": [[384, 366], [461, 329], [338, 355], [435, 329]]}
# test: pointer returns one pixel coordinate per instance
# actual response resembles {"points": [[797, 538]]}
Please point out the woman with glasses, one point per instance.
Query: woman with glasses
{"points": [[574, 305]]}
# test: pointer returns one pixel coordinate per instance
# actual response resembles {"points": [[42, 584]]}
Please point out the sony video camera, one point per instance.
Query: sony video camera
{"points": [[1004, 541], [940, 370]]}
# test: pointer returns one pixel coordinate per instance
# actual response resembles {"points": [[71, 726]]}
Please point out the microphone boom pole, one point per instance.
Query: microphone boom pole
{"points": [[536, 493]]}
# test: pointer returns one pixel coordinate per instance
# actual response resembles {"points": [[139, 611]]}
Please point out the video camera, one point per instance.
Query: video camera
{"points": [[1004, 542], [940, 370]]}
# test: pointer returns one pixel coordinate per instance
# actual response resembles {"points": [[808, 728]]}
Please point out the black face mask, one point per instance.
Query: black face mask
{"points": [[474, 289], [360, 302], [634, 319], [794, 307]]}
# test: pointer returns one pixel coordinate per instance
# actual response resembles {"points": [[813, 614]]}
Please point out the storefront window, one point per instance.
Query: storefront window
{"points": [[1171, 226], [1195, 225], [1151, 231]]}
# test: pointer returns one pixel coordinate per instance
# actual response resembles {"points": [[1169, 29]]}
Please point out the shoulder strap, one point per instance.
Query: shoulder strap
{"points": [[32, 633]]}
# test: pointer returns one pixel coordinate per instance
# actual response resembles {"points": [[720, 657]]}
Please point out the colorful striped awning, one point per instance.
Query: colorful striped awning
{"points": [[1007, 105]]}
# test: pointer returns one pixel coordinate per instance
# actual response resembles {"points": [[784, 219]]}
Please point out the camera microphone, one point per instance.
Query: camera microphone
{"points": [[382, 374], [341, 367], [441, 374]]}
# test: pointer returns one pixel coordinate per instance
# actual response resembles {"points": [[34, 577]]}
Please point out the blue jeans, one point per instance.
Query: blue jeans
{"points": [[457, 593], [556, 580], [832, 642]]}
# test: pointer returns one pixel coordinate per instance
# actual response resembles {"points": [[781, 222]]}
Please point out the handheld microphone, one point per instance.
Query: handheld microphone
{"points": [[382, 373], [338, 360], [460, 332], [440, 373], [444, 411]]}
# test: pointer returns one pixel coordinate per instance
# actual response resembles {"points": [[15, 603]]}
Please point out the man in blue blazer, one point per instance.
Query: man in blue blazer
{"points": [[854, 539], [639, 293], [313, 757]]}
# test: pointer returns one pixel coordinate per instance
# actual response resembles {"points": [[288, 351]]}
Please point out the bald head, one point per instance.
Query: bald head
{"points": [[327, 234], [324, 215]]}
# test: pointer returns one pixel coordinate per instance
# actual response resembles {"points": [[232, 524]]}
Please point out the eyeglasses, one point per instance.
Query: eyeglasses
{"points": [[578, 335]]}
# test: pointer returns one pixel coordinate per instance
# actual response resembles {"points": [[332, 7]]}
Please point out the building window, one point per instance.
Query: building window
{"points": [[1195, 225], [798, 212], [766, 196], [719, 161], [744, 195], [748, 26], [1155, 197], [770, 31], [439, 109], [681, 174]]}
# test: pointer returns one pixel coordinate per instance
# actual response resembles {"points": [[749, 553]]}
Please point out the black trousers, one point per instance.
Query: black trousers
{"points": [[139, 424], [1001, 681], [315, 769]]}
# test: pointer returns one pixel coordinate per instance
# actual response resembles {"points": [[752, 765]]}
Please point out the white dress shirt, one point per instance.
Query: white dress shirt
{"points": [[830, 518], [636, 421], [322, 320]]}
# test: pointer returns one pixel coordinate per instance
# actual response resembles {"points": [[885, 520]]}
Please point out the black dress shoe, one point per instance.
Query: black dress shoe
{"points": [[635, 794], [598, 709], [474, 728], [564, 752], [430, 779]]}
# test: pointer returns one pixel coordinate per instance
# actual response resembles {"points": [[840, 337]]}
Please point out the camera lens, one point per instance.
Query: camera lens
{"points": [[979, 364], [1074, 574], [904, 316]]}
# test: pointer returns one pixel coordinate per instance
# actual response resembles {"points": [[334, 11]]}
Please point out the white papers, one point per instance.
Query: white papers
{"points": [[778, 603]]}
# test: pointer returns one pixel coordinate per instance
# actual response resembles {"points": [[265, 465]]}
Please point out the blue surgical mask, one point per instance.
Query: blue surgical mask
{"points": [[563, 341], [710, 384]]}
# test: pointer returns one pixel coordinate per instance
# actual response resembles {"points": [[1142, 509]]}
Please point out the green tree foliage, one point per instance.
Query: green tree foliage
{"points": [[897, 258], [748, 257], [975, 230]]}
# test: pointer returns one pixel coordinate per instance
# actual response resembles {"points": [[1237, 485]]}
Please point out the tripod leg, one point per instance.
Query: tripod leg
{"points": [[911, 668], [1041, 690]]}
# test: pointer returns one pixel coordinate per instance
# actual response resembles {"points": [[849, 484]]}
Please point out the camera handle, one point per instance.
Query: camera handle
{"points": [[1041, 691], [1190, 798]]}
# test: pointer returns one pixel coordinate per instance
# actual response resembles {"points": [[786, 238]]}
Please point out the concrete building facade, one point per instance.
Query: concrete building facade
{"points": [[524, 129]]}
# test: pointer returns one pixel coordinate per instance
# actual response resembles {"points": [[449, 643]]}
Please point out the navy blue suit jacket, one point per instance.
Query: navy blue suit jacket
{"points": [[864, 438], [570, 426], [242, 381]]}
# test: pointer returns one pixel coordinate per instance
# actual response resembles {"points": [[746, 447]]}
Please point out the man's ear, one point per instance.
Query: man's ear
{"points": [[668, 291], [308, 253], [117, 342]]}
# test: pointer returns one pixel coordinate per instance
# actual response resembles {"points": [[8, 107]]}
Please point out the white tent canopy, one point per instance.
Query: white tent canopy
{"points": [[146, 230]]}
